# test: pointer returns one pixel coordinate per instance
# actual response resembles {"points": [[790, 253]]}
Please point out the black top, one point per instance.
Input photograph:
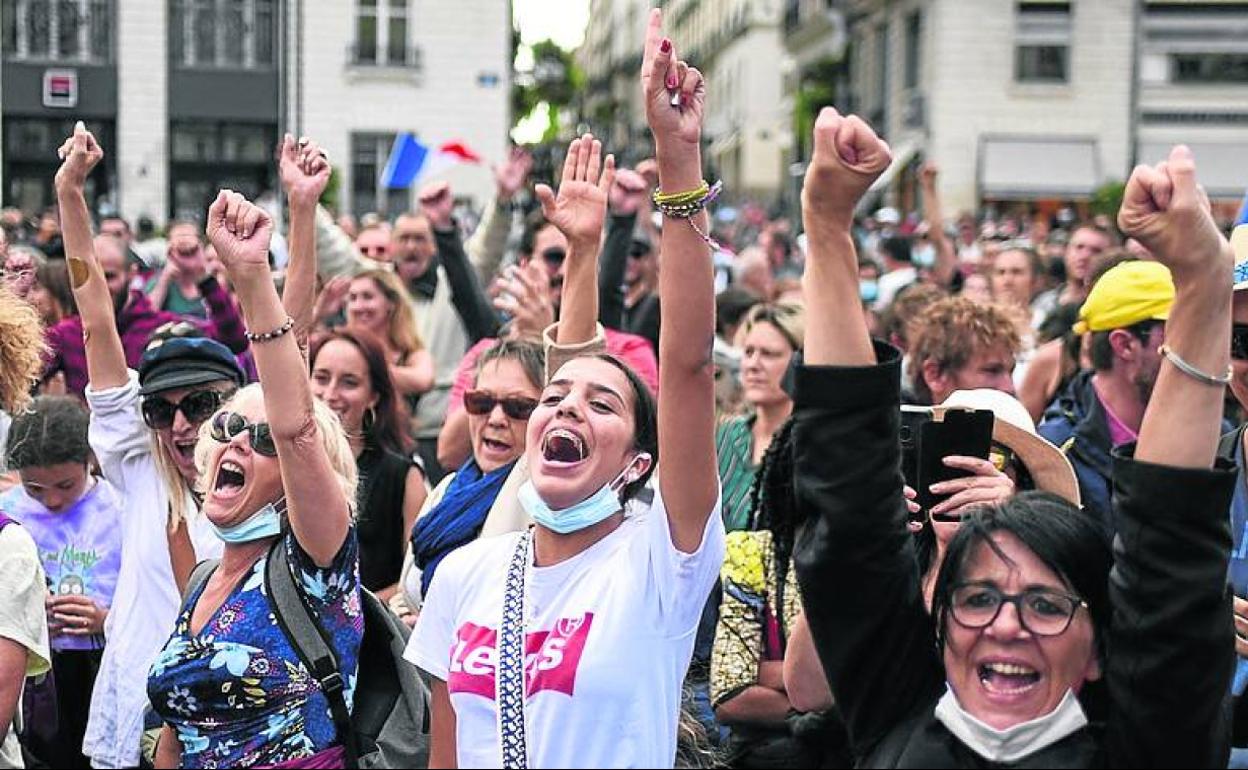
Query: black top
{"points": [[379, 522], [1170, 640]]}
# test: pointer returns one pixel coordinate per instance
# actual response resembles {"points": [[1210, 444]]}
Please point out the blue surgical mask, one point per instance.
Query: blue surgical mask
{"points": [[923, 256], [593, 509], [266, 522], [868, 289]]}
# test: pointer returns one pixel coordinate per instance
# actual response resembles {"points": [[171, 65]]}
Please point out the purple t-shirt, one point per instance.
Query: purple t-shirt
{"points": [[80, 548]]}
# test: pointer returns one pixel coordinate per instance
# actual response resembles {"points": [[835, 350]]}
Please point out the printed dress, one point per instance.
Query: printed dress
{"points": [[236, 693]]}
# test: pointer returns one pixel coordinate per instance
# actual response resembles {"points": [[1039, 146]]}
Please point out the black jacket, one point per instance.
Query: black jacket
{"points": [[1170, 655]]}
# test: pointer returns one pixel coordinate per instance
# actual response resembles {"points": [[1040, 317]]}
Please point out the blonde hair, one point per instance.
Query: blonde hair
{"points": [[21, 351], [401, 334], [786, 317], [328, 428]]}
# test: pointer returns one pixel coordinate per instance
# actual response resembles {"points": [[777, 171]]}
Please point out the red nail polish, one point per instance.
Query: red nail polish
{"points": [[666, 46]]}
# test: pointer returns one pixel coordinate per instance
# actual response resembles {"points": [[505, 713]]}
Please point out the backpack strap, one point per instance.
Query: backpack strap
{"points": [[305, 634], [509, 681], [199, 576]]}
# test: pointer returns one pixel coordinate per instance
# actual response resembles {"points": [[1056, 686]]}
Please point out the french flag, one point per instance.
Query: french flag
{"points": [[411, 161]]}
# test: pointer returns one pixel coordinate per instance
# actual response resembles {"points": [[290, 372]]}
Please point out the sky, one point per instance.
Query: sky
{"points": [[560, 20]]}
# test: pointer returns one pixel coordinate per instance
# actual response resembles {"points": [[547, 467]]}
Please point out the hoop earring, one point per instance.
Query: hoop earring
{"points": [[369, 420]]}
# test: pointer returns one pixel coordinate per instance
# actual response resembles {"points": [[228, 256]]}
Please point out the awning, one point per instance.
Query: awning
{"points": [[1026, 169], [1221, 167]]}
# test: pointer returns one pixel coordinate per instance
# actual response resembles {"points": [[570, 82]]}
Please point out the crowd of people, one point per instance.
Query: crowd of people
{"points": [[630, 484]]}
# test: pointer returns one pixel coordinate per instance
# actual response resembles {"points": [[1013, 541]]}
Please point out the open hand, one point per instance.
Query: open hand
{"points": [[240, 232], [79, 155], [1166, 210], [525, 296], [333, 297], [581, 206], [438, 204], [848, 157], [511, 175], [662, 76], [304, 169]]}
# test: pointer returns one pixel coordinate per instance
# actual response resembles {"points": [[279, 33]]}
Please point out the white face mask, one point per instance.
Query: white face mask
{"points": [[1014, 743]]}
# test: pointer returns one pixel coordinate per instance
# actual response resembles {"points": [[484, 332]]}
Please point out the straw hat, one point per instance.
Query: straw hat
{"points": [[1014, 429]]}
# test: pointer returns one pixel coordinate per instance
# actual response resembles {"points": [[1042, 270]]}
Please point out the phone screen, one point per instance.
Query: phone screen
{"points": [[966, 432]]}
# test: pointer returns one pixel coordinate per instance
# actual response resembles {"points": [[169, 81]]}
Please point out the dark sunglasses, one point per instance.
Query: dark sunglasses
{"points": [[1239, 342], [638, 250], [226, 425], [196, 407], [554, 256], [479, 402]]}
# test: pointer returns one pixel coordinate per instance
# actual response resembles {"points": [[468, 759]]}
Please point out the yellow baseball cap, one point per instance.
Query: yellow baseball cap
{"points": [[1126, 295]]}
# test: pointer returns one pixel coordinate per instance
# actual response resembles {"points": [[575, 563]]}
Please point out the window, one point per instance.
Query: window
{"points": [[222, 34], [369, 153], [1209, 68], [69, 31], [207, 156], [914, 37], [1042, 42], [381, 34]]}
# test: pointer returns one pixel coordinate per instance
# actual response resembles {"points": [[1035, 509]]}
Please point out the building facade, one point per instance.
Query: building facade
{"points": [[738, 46], [189, 96], [1039, 103]]}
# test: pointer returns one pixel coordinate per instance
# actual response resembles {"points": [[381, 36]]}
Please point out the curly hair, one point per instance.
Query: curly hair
{"points": [[773, 504], [21, 351], [951, 331]]}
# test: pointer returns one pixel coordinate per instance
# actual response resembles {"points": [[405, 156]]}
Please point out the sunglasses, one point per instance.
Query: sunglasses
{"points": [[479, 402], [195, 407], [1239, 342], [554, 256], [226, 425]]}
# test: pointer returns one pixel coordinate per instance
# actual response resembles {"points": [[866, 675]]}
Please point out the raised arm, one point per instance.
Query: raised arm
{"points": [[1171, 638], [489, 242], [690, 480], [467, 296], [578, 212], [318, 510], [106, 358], [933, 214], [627, 196], [304, 170]]}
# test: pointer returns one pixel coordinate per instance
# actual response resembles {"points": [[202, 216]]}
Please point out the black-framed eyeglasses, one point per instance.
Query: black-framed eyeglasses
{"points": [[479, 402], [196, 406], [1042, 611], [1239, 342], [226, 425]]}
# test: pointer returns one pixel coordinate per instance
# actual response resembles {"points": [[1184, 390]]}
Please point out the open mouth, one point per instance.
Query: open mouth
{"points": [[185, 450], [1007, 678], [230, 479], [494, 445], [563, 447]]}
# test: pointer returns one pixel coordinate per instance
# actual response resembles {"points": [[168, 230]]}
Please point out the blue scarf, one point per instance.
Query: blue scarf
{"points": [[457, 519]]}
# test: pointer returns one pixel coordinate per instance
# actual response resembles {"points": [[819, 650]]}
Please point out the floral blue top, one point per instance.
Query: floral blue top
{"points": [[237, 693]]}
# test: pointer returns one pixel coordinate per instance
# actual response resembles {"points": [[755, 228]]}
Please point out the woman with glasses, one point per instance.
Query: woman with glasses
{"points": [[143, 432], [378, 304], [351, 376], [504, 394], [1030, 606], [278, 479]]}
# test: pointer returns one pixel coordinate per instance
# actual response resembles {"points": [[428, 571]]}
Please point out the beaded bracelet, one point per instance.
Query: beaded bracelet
{"points": [[688, 204], [270, 336]]}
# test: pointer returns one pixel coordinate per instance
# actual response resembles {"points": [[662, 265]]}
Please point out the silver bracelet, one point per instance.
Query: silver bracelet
{"points": [[1202, 377]]}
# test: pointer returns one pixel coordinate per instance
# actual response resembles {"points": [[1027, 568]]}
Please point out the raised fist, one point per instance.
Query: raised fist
{"points": [[628, 192], [438, 204], [240, 231], [1166, 210], [304, 169], [79, 155], [848, 157]]}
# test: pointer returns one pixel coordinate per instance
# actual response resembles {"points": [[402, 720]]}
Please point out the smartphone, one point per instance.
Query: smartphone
{"points": [[912, 420], [966, 432]]}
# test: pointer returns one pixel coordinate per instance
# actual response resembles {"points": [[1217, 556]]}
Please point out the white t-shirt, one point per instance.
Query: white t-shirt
{"points": [[146, 600], [23, 589], [610, 634]]}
